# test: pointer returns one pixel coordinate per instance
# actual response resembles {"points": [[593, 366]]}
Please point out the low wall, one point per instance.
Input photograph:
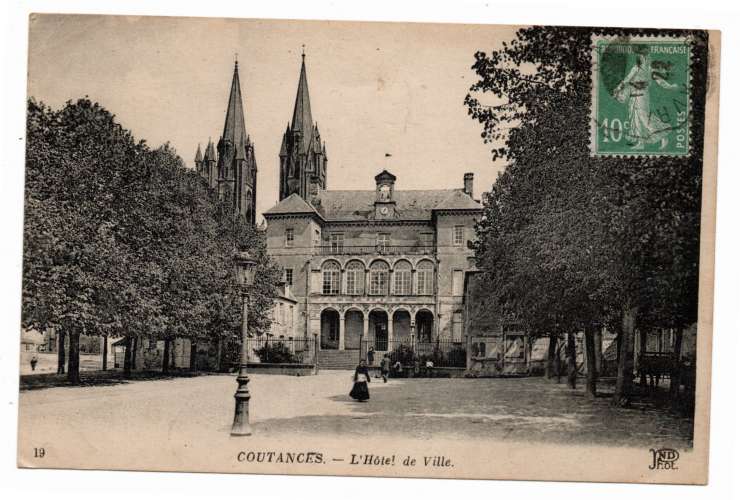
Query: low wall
{"points": [[280, 369], [492, 367]]}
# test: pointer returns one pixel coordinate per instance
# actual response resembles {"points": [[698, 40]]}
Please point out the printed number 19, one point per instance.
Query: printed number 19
{"points": [[39, 453], [614, 131]]}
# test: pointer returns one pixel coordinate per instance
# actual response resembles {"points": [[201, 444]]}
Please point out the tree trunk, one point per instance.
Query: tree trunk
{"points": [[127, 358], [625, 367], [105, 352], [73, 367], [571, 356], [219, 351], [676, 364], [641, 356], [193, 355], [598, 350], [590, 355], [550, 357], [61, 352], [166, 357], [134, 350]]}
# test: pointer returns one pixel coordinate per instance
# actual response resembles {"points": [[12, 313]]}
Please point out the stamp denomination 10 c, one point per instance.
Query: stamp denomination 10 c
{"points": [[641, 93]]}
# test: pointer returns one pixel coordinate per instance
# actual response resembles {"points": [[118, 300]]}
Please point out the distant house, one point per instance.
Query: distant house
{"points": [[31, 340]]}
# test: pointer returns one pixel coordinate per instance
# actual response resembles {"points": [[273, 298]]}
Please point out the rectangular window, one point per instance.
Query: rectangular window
{"points": [[457, 326], [337, 243], [355, 280], [289, 237], [459, 236], [379, 282], [457, 282], [402, 282], [290, 318], [330, 285], [426, 240], [425, 281], [382, 241], [316, 237], [281, 314], [289, 277]]}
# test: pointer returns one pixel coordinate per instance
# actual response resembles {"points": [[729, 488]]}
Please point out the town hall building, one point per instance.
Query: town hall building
{"points": [[373, 268]]}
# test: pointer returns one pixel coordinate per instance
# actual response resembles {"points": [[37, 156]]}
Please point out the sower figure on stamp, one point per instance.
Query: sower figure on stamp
{"points": [[645, 125]]}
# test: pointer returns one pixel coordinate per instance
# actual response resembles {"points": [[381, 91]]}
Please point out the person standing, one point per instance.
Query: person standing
{"points": [[385, 365], [360, 380], [34, 361]]}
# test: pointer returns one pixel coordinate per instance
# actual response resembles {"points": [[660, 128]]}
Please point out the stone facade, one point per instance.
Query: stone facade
{"points": [[380, 265], [357, 272]]}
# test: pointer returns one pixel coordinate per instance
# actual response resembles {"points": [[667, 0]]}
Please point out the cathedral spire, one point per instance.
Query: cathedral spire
{"points": [[234, 129], [302, 120]]}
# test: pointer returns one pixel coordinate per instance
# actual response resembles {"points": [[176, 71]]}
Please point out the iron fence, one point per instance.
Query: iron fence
{"points": [[441, 353]]}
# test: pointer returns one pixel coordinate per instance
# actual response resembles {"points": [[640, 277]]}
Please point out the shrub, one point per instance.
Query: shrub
{"points": [[276, 352]]}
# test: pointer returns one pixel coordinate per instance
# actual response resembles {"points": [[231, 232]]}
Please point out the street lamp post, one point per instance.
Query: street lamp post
{"points": [[315, 353], [245, 267]]}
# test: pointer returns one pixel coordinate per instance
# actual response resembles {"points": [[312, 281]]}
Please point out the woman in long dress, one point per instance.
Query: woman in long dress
{"points": [[645, 125], [361, 378]]}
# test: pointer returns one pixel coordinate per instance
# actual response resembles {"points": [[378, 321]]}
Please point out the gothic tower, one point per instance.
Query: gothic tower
{"points": [[302, 154], [233, 172]]}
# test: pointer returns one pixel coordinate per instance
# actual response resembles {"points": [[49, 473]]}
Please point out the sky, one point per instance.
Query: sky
{"points": [[375, 88]]}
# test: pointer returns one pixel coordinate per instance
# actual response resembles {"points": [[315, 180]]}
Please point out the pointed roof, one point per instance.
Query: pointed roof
{"points": [[302, 120], [459, 200], [198, 155], [234, 129], [284, 145], [293, 204], [210, 152]]}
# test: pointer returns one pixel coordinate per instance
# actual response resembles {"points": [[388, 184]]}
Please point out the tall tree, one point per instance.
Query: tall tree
{"points": [[572, 241]]}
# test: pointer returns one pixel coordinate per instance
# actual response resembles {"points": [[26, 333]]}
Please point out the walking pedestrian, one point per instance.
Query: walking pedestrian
{"points": [[385, 365], [34, 360], [360, 380]]}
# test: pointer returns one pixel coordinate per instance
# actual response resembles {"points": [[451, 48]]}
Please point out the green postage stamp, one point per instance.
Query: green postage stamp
{"points": [[641, 95]]}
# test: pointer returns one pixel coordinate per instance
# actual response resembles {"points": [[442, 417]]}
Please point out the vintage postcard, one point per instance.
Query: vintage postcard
{"points": [[368, 249]]}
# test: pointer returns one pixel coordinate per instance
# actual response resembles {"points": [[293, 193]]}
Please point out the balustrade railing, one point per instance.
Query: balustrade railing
{"points": [[375, 250]]}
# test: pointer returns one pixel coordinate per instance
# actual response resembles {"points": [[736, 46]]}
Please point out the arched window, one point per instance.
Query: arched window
{"points": [[402, 278], [425, 278], [331, 278], [355, 278], [379, 278]]}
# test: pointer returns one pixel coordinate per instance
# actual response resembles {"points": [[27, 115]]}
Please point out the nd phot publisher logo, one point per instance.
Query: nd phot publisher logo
{"points": [[664, 459]]}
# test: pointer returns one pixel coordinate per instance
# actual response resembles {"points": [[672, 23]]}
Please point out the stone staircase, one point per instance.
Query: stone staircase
{"points": [[338, 360]]}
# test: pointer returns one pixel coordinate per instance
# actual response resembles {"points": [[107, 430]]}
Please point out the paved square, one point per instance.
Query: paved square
{"points": [[201, 409]]}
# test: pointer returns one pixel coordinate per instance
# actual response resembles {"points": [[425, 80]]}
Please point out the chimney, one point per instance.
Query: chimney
{"points": [[468, 184]]}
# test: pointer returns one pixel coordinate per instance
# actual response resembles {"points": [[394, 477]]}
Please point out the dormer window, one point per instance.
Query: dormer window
{"points": [[384, 182]]}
